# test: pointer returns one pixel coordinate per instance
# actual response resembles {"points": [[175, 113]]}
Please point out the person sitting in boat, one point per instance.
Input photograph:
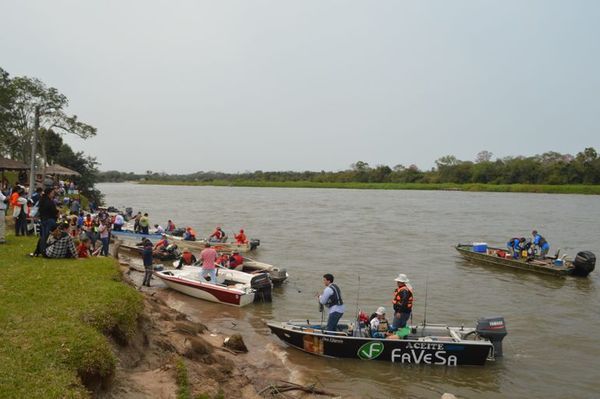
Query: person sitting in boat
{"points": [[541, 243], [187, 259], [223, 260], [515, 245], [240, 238], [380, 327], [189, 234], [162, 244], [217, 236], [159, 229], [235, 260], [170, 226]]}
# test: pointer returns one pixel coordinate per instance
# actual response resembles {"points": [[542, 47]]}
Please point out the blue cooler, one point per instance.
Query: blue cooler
{"points": [[480, 247]]}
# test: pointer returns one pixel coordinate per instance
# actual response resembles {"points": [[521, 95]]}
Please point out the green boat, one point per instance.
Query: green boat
{"points": [[583, 264]]}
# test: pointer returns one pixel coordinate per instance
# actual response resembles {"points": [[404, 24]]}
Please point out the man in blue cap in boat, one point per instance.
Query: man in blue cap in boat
{"points": [[332, 298]]}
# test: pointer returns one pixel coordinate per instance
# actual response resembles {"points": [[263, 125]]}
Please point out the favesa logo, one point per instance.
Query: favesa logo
{"points": [[370, 350]]}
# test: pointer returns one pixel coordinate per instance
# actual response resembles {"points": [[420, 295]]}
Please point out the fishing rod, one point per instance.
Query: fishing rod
{"points": [[357, 306], [426, 291]]}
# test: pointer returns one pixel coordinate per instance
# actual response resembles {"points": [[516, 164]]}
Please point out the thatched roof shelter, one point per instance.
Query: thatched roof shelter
{"points": [[11, 164], [60, 170]]}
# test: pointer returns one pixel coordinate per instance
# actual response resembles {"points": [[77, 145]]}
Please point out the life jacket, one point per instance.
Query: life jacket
{"points": [[397, 301], [241, 238], [235, 261], [223, 260], [88, 223], [542, 241], [513, 242], [336, 297], [14, 197], [218, 234], [187, 258], [383, 326]]}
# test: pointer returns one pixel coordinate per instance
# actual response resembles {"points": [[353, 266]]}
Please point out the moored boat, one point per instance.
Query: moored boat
{"points": [[583, 264], [431, 344], [232, 287], [198, 245]]}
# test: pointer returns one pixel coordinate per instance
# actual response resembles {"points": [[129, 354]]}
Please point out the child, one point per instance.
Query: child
{"points": [[83, 249]]}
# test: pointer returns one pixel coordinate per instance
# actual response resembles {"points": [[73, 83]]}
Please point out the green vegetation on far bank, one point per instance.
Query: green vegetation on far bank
{"points": [[515, 188], [56, 318]]}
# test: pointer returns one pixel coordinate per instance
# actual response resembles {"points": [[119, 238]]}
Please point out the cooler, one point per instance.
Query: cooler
{"points": [[480, 247]]}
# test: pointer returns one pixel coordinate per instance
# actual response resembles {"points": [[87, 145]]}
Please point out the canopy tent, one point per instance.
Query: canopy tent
{"points": [[60, 170]]}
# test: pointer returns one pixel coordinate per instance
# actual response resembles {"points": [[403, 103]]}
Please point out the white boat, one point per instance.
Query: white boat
{"points": [[232, 287], [250, 265]]}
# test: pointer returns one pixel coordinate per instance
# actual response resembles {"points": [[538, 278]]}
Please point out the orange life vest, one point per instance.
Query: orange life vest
{"points": [[397, 301], [187, 258]]}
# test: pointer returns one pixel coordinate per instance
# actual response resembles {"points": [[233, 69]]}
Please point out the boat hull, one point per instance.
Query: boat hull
{"points": [[407, 351], [206, 291], [485, 258]]}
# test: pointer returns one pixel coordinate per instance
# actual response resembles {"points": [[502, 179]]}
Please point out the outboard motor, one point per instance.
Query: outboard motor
{"points": [[254, 243], [261, 282], [584, 263], [178, 232], [494, 329]]}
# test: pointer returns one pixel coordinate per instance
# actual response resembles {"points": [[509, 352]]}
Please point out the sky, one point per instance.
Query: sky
{"points": [[244, 85]]}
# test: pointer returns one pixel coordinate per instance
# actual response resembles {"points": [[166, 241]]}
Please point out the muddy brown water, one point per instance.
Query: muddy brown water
{"points": [[365, 238]]}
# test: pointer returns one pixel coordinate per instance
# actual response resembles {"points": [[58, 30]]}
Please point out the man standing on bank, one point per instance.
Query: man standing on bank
{"points": [[332, 298], [403, 301]]}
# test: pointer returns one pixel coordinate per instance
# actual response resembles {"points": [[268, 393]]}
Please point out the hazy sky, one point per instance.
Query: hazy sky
{"points": [[182, 86]]}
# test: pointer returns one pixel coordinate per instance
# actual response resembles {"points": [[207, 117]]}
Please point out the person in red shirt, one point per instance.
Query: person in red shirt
{"points": [[218, 235], [83, 249], [235, 260], [241, 237]]}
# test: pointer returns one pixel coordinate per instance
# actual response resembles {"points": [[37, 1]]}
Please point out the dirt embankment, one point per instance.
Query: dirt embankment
{"points": [[168, 343]]}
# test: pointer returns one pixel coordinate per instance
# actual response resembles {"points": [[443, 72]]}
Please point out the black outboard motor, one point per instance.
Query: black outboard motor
{"points": [[584, 263], [178, 232], [254, 243], [261, 282], [494, 329]]}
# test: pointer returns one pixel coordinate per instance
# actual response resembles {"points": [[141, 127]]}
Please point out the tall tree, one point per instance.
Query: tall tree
{"points": [[31, 94]]}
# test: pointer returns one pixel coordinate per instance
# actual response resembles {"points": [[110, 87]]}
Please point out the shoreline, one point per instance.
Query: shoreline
{"points": [[98, 335], [582, 189]]}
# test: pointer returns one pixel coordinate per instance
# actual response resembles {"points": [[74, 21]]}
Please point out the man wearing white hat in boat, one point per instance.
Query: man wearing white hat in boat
{"points": [[403, 302]]}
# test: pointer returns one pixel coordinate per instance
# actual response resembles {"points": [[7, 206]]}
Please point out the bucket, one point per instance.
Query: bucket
{"points": [[524, 253]]}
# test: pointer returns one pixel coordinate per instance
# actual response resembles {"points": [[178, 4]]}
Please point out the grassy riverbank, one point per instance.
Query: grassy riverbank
{"points": [[515, 188], [57, 318]]}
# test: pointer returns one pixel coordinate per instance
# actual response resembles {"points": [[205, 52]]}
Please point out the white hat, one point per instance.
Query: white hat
{"points": [[402, 278], [380, 311]]}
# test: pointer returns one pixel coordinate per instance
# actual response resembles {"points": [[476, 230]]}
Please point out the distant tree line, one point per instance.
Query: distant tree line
{"points": [[25, 101], [547, 168]]}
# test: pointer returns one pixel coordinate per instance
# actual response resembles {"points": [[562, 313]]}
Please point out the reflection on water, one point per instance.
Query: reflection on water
{"points": [[365, 238]]}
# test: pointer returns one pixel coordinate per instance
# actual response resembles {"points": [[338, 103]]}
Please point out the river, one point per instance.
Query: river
{"points": [[365, 238]]}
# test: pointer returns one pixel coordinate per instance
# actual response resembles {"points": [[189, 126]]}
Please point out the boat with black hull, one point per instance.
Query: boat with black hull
{"points": [[583, 264], [430, 344]]}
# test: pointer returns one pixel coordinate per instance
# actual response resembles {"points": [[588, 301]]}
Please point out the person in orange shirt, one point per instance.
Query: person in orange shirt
{"points": [[241, 237]]}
